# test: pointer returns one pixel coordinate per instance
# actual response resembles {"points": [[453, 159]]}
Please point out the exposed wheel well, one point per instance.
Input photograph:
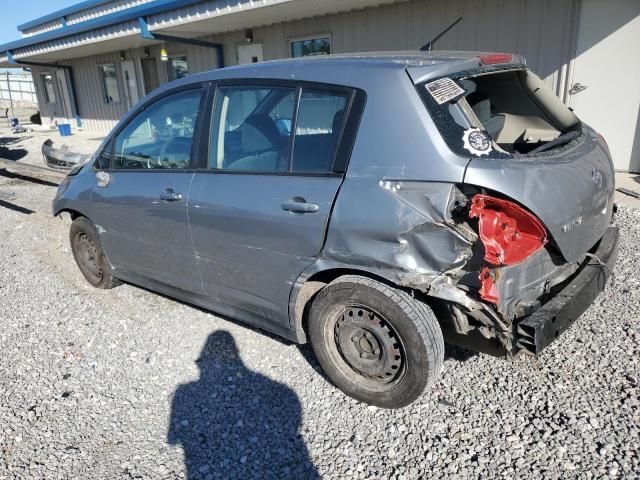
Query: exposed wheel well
{"points": [[72, 213], [317, 282]]}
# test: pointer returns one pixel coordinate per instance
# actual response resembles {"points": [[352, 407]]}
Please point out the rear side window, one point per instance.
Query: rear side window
{"points": [[161, 136], [276, 129]]}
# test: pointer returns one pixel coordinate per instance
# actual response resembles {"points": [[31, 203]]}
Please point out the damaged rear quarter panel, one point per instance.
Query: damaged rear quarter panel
{"points": [[399, 230]]}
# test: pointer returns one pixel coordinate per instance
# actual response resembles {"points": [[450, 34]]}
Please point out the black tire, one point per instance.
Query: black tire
{"points": [[348, 322], [89, 255]]}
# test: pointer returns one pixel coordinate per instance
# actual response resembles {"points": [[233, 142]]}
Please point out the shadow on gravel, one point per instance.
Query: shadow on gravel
{"points": [[460, 354], [16, 208], [235, 423], [17, 176], [13, 154]]}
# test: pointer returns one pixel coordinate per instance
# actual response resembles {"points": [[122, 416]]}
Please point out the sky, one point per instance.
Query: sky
{"points": [[16, 12], [21, 11]]}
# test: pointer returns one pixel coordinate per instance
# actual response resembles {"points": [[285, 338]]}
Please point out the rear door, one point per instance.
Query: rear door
{"points": [[259, 212], [140, 203]]}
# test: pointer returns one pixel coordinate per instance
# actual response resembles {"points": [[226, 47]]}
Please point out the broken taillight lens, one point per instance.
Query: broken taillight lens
{"points": [[508, 232]]}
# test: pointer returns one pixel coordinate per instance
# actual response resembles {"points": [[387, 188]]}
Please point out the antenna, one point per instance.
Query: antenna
{"points": [[429, 45]]}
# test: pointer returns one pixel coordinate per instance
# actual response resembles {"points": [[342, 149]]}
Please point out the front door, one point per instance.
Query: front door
{"points": [[141, 204], [150, 74], [130, 83], [61, 76], [258, 215], [604, 92], [251, 53]]}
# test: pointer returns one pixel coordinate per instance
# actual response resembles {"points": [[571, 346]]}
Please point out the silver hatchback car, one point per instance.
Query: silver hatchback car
{"points": [[372, 204]]}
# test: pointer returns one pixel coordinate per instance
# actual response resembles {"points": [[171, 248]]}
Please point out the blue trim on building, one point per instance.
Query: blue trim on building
{"points": [[57, 15], [151, 8]]}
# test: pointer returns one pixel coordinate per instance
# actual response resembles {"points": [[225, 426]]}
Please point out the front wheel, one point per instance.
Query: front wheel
{"points": [[88, 254], [376, 343]]}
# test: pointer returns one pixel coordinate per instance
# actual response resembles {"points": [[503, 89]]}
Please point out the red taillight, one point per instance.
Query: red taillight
{"points": [[488, 289], [495, 58], [508, 232]]}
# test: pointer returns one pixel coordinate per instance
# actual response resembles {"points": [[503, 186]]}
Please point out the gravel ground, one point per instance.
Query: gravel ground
{"points": [[130, 384]]}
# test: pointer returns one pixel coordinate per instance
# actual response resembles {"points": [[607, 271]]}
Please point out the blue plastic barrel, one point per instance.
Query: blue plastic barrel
{"points": [[64, 129]]}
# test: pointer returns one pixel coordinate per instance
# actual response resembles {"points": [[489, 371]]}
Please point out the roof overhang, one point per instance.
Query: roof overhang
{"points": [[186, 18]]}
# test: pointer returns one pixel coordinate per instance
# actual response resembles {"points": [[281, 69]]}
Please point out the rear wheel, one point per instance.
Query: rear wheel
{"points": [[89, 256], [376, 343]]}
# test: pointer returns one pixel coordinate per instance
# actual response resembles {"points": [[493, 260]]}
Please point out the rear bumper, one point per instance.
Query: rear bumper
{"points": [[535, 332]]}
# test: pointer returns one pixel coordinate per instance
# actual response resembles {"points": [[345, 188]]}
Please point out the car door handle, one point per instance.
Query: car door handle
{"points": [[170, 196], [577, 88], [300, 205]]}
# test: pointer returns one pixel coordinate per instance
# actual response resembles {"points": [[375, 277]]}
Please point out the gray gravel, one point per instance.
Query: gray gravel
{"points": [[129, 384]]}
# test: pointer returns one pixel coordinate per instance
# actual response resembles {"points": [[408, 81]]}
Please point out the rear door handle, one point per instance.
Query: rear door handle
{"points": [[577, 88], [300, 205], [170, 196]]}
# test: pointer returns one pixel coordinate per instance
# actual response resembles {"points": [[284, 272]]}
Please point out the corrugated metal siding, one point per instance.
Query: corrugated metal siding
{"points": [[45, 27], [99, 35], [543, 30], [104, 9]]}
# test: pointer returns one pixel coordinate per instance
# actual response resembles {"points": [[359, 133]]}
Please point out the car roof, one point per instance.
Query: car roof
{"points": [[337, 68]]}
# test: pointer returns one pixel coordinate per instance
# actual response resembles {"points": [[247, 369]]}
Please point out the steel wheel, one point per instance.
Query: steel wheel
{"points": [[375, 342], [88, 256], [369, 345]]}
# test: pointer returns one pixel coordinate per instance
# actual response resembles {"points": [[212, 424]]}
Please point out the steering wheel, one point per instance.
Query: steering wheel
{"points": [[179, 145]]}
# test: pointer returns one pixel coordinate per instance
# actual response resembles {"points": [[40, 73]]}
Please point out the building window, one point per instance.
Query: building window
{"points": [[317, 45], [49, 88], [177, 67], [110, 83]]}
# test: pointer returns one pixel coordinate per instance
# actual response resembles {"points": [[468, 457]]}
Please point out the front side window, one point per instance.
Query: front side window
{"points": [[251, 129], [49, 88], [177, 67], [309, 46], [161, 136], [109, 79]]}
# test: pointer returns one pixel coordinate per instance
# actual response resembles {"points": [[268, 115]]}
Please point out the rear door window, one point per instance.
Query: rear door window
{"points": [[251, 129], [319, 124], [276, 129]]}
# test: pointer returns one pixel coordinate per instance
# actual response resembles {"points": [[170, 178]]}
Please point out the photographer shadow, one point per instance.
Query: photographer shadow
{"points": [[236, 423]]}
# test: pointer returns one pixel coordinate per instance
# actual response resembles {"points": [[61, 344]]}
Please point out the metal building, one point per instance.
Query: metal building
{"points": [[93, 61]]}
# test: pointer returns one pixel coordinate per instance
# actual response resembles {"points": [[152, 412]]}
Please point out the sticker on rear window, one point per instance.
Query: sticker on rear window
{"points": [[477, 142], [444, 90]]}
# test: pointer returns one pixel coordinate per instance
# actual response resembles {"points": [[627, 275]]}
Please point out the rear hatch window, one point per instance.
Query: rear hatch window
{"points": [[501, 112]]}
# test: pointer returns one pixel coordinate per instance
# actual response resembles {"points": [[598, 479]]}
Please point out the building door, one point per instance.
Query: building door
{"points": [[130, 83], [604, 92], [251, 53], [150, 74], [65, 99]]}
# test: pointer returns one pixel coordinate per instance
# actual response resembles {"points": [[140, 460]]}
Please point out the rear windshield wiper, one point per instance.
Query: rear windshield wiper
{"points": [[561, 140]]}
